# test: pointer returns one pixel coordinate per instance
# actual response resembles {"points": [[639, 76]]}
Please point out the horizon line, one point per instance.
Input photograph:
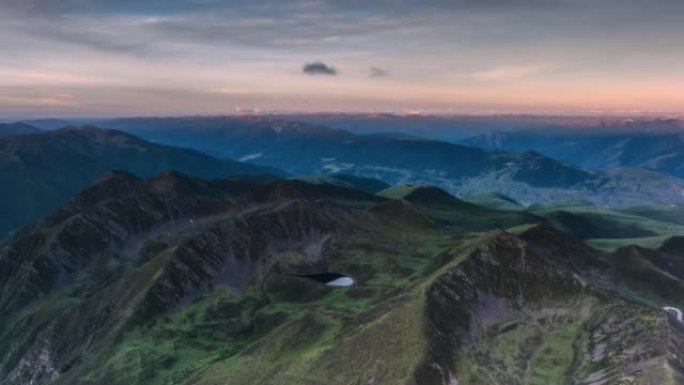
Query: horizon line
{"points": [[667, 115]]}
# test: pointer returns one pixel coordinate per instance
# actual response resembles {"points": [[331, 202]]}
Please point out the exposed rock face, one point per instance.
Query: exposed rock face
{"points": [[509, 287], [502, 283], [36, 366]]}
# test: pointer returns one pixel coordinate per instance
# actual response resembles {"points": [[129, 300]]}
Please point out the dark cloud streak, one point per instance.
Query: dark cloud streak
{"points": [[319, 68]]}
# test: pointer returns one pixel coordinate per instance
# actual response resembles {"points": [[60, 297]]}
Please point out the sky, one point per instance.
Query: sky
{"points": [[179, 57]]}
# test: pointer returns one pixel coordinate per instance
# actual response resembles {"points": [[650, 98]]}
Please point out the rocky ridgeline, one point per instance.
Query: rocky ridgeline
{"points": [[178, 280], [129, 245], [520, 286]]}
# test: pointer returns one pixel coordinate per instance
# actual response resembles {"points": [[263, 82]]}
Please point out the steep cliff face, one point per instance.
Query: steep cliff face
{"points": [[176, 280]]}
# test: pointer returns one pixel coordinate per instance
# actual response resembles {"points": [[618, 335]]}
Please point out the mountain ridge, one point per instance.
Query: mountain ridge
{"points": [[190, 281], [42, 170], [657, 150], [17, 128], [304, 149]]}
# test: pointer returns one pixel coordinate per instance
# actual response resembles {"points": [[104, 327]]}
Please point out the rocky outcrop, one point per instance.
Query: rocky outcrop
{"points": [[531, 297], [504, 281]]}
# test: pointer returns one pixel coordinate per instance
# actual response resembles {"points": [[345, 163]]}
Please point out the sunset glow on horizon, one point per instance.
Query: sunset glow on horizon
{"points": [[123, 57]]}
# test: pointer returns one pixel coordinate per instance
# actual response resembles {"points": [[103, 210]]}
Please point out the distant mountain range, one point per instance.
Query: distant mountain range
{"points": [[301, 148], [453, 128], [49, 124], [40, 171], [176, 251], [178, 280], [9, 129], [658, 151]]}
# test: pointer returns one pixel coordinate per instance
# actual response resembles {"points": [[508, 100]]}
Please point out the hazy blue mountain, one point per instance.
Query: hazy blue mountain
{"points": [[49, 124], [661, 151], [303, 149], [454, 128], [40, 171], [8, 129]]}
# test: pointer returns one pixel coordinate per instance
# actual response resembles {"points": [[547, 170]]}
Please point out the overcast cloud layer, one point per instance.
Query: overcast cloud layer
{"points": [[126, 57]]}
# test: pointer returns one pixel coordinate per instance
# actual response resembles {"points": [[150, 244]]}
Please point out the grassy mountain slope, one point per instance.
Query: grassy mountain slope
{"points": [[610, 229], [177, 280]]}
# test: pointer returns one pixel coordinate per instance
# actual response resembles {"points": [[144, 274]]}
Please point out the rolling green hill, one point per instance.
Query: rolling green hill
{"points": [[610, 229]]}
